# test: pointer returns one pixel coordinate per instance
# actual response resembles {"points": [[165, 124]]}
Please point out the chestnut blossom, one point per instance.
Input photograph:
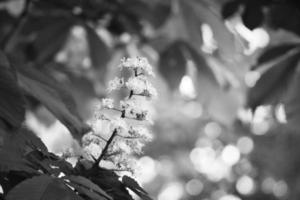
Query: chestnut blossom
{"points": [[108, 103], [141, 86], [139, 64], [115, 84], [116, 138]]}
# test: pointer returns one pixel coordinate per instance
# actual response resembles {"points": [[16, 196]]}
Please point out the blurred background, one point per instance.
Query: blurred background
{"points": [[226, 123]]}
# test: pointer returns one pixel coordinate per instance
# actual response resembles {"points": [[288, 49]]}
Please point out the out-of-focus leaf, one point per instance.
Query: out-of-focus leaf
{"points": [[12, 105], [272, 84], [13, 161], [87, 187], [109, 182], [135, 187], [22, 140], [172, 64], [274, 52], [42, 188], [155, 12], [54, 97], [175, 58], [200, 12], [230, 8], [292, 102], [285, 16], [99, 52], [52, 38]]}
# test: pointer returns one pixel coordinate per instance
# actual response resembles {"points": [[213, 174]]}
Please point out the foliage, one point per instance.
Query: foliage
{"points": [[59, 55]]}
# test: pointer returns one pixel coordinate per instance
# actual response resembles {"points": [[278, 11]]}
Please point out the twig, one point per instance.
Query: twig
{"points": [[105, 148], [6, 43]]}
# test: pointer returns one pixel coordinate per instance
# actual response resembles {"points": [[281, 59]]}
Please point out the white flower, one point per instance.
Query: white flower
{"points": [[138, 64], [150, 91], [92, 150], [141, 86], [141, 132], [115, 84], [89, 138], [136, 84], [133, 109], [108, 103]]}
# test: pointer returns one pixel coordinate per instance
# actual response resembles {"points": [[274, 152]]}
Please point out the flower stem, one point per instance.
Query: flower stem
{"points": [[109, 141]]}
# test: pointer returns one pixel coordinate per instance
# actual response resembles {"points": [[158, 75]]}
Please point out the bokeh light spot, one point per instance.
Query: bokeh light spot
{"points": [[245, 185], [230, 155], [194, 187]]}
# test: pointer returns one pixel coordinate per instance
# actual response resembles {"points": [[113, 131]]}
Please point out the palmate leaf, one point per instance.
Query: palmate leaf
{"points": [[54, 97], [87, 187], [42, 188], [12, 105]]}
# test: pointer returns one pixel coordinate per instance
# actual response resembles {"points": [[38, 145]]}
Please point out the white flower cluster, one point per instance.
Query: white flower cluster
{"points": [[115, 139]]}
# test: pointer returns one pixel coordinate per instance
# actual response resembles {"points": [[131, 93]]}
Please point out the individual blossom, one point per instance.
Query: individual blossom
{"points": [[140, 85], [120, 126], [108, 103], [115, 84], [140, 132], [133, 109], [92, 151], [138, 64]]}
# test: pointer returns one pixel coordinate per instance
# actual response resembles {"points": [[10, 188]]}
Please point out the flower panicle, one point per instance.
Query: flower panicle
{"points": [[117, 138]]}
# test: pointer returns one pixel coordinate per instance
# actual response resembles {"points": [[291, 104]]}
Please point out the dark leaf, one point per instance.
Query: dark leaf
{"points": [[172, 64], [284, 16], [99, 52], [230, 8], [269, 89], [135, 187], [195, 13], [273, 53], [14, 161], [88, 187], [54, 97], [42, 188], [292, 102], [22, 141], [253, 15], [109, 182], [51, 38], [155, 13], [12, 105], [174, 59]]}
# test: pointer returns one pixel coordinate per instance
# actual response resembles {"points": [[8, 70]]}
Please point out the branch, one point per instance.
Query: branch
{"points": [[7, 42]]}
